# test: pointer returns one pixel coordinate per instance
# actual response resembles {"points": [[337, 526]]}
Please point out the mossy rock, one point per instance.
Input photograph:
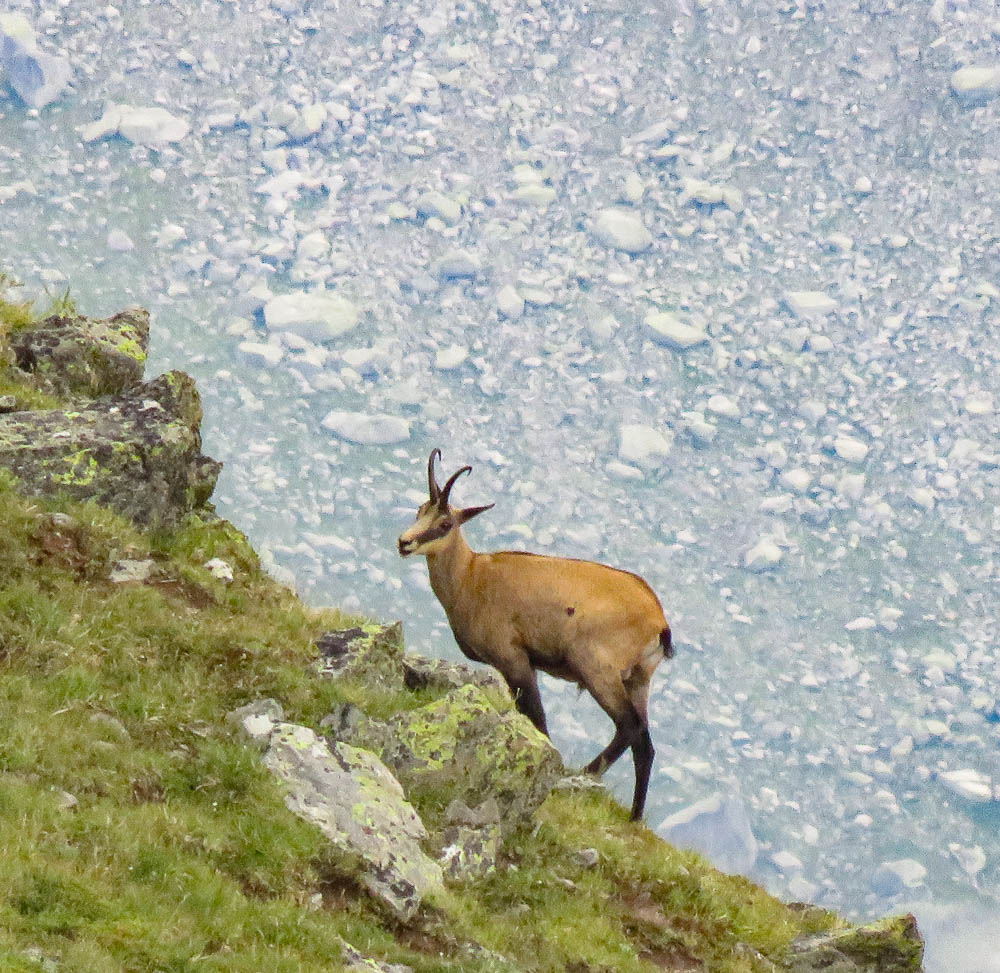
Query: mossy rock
{"points": [[892, 945], [138, 453], [469, 746], [80, 356]]}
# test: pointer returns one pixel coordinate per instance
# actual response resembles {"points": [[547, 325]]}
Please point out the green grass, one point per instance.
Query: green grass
{"points": [[15, 314], [175, 851]]}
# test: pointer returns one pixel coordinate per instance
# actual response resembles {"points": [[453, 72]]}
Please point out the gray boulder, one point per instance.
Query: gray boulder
{"points": [[360, 807], [138, 453], [74, 355], [468, 746]]}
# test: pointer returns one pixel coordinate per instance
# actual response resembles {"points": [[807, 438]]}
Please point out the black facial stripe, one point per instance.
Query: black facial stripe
{"points": [[432, 534]]}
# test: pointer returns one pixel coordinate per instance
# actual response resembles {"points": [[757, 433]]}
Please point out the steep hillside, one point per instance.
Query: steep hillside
{"points": [[142, 831]]}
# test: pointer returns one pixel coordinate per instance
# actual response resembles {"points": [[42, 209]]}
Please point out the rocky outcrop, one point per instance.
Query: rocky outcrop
{"points": [[892, 945], [138, 453], [74, 355], [464, 747], [131, 446]]}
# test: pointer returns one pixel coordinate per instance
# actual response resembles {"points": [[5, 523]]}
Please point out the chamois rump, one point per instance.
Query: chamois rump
{"points": [[585, 622]]}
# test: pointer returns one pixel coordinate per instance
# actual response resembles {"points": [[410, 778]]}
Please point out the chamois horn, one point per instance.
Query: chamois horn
{"points": [[446, 489], [435, 490]]}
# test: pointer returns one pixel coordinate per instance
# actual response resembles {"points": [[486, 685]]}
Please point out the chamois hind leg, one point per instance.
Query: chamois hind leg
{"points": [[609, 691], [642, 746], [523, 684]]}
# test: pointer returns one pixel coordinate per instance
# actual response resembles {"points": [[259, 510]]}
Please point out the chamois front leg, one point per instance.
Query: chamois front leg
{"points": [[523, 684]]}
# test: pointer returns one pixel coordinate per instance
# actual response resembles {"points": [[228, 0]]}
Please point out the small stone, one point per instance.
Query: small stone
{"points": [[220, 569], [809, 304], [318, 317], [892, 878], [642, 444], [451, 357], [120, 241], [367, 429], [765, 554], [853, 450], [976, 81], [968, 783], [669, 330], [621, 229], [435, 204], [509, 302], [458, 264], [128, 571]]}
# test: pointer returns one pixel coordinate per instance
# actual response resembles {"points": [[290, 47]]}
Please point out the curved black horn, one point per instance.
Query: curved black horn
{"points": [[432, 486], [446, 489]]}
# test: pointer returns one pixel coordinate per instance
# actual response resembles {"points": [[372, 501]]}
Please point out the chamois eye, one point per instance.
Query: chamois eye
{"points": [[446, 525]]}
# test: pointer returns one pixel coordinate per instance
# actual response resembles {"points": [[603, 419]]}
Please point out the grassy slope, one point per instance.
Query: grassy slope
{"points": [[179, 854]]}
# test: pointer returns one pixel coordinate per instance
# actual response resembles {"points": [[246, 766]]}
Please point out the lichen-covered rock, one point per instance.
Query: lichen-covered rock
{"points": [[360, 807], [420, 672], [138, 453], [75, 355], [372, 654], [356, 962], [892, 945], [471, 840], [463, 746]]}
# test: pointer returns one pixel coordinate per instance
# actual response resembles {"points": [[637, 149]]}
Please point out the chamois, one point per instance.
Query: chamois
{"points": [[588, 623]]}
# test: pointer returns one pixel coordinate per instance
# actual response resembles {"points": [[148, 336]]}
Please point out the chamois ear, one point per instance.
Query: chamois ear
{"points": [[469, 512]]}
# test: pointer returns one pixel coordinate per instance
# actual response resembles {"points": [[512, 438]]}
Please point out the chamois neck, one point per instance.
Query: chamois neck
{"points": [[448, 566]]}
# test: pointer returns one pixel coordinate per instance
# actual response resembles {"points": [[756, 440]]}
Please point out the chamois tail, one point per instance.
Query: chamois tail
{"points": [[666, 644]]}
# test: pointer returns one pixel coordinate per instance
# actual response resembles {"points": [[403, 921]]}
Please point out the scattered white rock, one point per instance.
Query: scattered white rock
{"points": [[976, 81], [509, 302], [810, 304], [643, 445], [438, 205], [968, 783], [622, 229], [318, 317], [798, 480], [457, 264], [853, 450], [892, 878], [367, 430], [36, 77], [667, 329], [262, 352], [711, 194], [765, 554], [153, 127], [786, 862], [450, 357], [971, 860], [717, 827], [119, 241], [724, 406]]}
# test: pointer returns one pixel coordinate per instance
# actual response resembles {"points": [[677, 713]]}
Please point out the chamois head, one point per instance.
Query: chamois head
{"points": [[436, 518]]}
